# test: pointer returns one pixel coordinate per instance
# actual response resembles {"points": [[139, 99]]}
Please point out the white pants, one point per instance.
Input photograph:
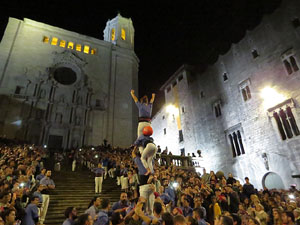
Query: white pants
{"points": [[105, 169], [124, 182], [147, 193], [44, 208], [118, 181], [141, 126], [111, 172], [147, 156], [98, 184], [73, 165]]}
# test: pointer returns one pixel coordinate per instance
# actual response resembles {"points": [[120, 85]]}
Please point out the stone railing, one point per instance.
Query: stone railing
{"points": [[184, 162]]}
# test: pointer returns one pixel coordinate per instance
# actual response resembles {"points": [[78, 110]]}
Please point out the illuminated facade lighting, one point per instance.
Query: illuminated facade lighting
{"points": [[271, 97]]}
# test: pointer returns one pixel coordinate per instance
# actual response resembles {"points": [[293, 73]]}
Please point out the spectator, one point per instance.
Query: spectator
{"points": [[84, 219], [121, 205], [32, 212], [248, 188], [93, 207], [9, 216], [49, 185], [99, 172], [103, 213], [199, 216]]}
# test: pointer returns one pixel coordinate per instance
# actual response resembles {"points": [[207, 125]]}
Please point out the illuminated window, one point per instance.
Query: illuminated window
{"points": [[113, 34], [93, 51], [78, 47], [54, 41], [70, 45], [123, 34], [62, 44], [86, 49], [46, 39]]}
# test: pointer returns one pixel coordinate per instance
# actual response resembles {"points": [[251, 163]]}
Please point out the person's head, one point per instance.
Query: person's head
{"points": [[252, 221], [34, 200], [116, 218], [71, 213], [287, 217], [144, 100], [180, 220], [9, 216], [276, 214], [236, 219], [105, 203], [184, 201], [99, 165], [48, 173], [123, 197], [247, 180], [230, 175], [191, 221], [296, 212], [84, 219], [157, 208], [43, 171], [167, 219], [5, 197], [259, 207], [198, 213], [224, 220]]}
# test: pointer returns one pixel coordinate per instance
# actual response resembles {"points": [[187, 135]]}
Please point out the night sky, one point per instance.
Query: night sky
{"points": [[167, 33]]}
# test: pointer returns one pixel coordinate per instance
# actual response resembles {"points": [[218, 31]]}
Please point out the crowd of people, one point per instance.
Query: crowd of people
{"points": [[24, 183], [176, 195]]}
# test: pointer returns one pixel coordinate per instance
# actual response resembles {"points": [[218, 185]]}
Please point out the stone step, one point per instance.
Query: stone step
{"points": [[76, 189]]}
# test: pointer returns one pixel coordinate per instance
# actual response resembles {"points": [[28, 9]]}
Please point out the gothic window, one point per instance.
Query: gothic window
{"points": [[70, 45], [62, 43], [113, 34], [245, 90], [180, 136], [18, 90], [254, 53], [225, 77], [98, 102], [174, 84], [296, 22], [54, 41], [235, 140], [168, 89], [86, 49], [202, 94], [182, 109], [165, 131], [46, 39], [180, 77], [286, 123], [123, 34], [217, 108], [78, 47], [290, 62], [163, 117]]}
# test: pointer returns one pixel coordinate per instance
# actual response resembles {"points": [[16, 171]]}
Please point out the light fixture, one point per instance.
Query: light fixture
{"points": [[271, 97], [171, 109]]}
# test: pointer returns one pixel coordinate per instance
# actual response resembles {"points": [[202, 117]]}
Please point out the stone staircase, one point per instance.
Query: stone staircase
{"points": [[76, 189]]}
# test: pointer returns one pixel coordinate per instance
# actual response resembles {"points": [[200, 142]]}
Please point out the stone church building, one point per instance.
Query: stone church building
{"points": [[65, 90], [243, 112]]}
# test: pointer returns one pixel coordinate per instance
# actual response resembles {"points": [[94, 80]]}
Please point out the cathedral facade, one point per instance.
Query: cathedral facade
{"points": [[242, 112], [65, 90]]}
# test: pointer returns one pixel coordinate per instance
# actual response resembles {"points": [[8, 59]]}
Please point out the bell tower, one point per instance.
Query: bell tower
{"points": [[120, 32]]}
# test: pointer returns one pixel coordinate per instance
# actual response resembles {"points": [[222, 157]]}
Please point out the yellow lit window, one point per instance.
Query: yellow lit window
{"points": [[54, 41], [86, 49], [78, 47], [46, 39], [113, 34], [62, 44], [93, 51], [70, 45], [123, 34]]}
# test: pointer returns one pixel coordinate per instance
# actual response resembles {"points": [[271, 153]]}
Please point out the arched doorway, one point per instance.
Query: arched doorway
{"points": [[272, 180]]}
